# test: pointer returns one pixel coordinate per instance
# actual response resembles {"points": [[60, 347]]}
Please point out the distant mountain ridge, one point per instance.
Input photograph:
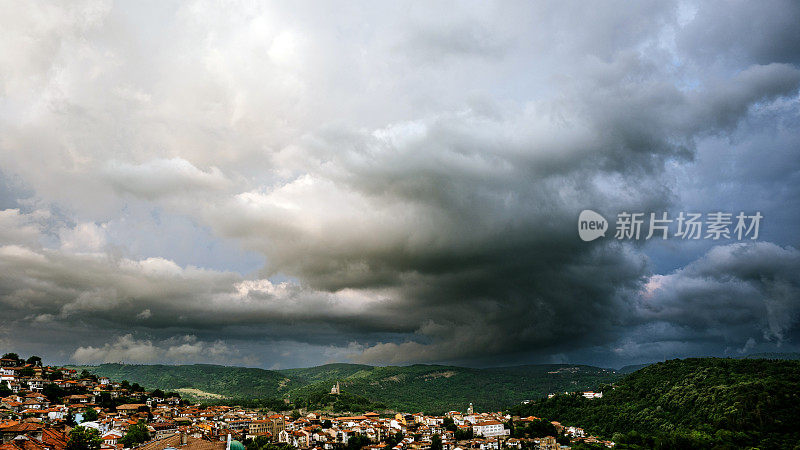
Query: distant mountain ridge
{"points": [[428, 388], [633, 368], [790, 356], [787, 356], [425, 388]]}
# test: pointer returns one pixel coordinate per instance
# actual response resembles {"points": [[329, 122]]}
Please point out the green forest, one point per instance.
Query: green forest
{"points": [[239, 382], [420, 388], [693, 403]]}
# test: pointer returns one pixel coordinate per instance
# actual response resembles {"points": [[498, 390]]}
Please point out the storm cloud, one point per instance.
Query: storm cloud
{"points": [[393, 182]]}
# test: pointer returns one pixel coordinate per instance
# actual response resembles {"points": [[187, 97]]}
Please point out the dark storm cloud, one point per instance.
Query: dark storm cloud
{"points": [[761, 32], [475, 238], [735, 295], [413, 183]]}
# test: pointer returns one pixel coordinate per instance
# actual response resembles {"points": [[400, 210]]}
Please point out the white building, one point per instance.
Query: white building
{"points": [[489, 429], [575, 431], [590, 394]]}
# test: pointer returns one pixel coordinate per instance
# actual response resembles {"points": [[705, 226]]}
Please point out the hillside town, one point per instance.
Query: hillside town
{"points": [[57, 408]]}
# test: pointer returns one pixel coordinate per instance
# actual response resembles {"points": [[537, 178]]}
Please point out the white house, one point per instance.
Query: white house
{"points": [[112, 437], [57, 413]]}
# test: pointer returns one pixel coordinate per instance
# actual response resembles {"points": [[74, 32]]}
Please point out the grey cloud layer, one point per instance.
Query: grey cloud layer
{"points": [[412, 182], [733, 291]]}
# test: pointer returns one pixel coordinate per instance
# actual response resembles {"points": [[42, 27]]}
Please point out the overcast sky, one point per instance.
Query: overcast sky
{"points": [[289, 184]]}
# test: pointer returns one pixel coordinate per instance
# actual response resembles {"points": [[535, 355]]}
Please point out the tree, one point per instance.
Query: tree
{"points": [[57, 375], [4, 390], [535, 428], [357, 441], [35, 361], [136, 434], [106, 402], [393, 439], [462, 434], [83, 438], [585, 446], [89, 414], [53, 392], [436, 442], [86, 374], [13, 356], [157, 393], [256, 444]]}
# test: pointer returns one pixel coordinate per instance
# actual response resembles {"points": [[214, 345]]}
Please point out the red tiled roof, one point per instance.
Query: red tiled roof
{"points": [[22, 428], [174, 441]]}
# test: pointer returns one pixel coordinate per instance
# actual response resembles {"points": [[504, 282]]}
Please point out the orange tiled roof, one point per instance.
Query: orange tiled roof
{"points": [[174, 441]]}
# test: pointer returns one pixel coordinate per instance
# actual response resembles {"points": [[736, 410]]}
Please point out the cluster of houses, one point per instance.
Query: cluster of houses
{"points": [[485, 431], [29, 420], [585, 394]]}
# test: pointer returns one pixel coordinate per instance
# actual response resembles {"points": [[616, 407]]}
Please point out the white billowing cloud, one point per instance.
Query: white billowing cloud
{"points": [[18, 254], [106, 288], [191, 349], [35, 41], [21, 228], [86, 237], [90, 302], [314, 216], [125, 348], [182, 349], [163, 177]]}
